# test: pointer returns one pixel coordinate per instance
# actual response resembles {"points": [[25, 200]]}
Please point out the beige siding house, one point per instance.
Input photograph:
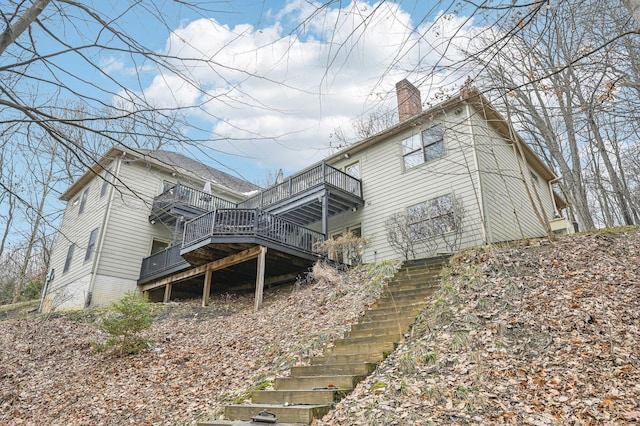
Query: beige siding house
{"points": [[106, 230], [462, 148], [456, 175]]}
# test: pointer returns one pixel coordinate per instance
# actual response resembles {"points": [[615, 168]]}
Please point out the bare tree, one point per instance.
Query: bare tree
{"points": [[425, 228], [399, 235], [634, 8], [362, 128], [558, 76]]}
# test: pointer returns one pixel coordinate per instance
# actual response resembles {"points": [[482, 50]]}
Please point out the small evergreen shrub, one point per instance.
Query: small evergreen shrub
{"points": [[124, 322]]}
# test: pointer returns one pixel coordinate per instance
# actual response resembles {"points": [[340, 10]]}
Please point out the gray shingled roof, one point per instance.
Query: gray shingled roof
{"points": [[179, 161]]}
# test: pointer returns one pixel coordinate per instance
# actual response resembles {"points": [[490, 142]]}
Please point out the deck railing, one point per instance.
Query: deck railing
{"points": [[162, 261], [303, 181], [180, 194], [251, 222]]}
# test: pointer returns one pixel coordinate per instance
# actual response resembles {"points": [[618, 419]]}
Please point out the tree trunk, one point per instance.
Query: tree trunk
{"points": [[634, 9]]}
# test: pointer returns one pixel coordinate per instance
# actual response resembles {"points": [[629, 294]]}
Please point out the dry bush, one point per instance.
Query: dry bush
{"points": [[346, 248]]}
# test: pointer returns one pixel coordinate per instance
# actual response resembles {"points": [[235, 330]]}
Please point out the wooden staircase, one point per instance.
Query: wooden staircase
{"points": [[311, 390]]}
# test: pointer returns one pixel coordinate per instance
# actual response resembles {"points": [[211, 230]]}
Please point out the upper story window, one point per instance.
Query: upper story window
{"points": [[105, 182], [431, 218], [422, 147], [67, 262], [83, 201], [92, 244], [535, 177], [353, 170]]}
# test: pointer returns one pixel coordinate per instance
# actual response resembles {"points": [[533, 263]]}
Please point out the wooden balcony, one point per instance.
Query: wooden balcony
{"points": [[218, 233], [220, 236], [224, 232], [299, 198], [183, 201]]}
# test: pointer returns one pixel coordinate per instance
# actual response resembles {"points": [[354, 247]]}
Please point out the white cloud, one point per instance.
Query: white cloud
{"points": [[277, 97], [111, 64]]}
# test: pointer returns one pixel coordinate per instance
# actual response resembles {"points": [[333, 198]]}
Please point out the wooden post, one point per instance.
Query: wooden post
{"points": [[207, 288], [325, 215], [167, 293], [260, 276]]}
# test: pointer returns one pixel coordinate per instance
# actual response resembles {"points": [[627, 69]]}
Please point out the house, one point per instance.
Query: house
{"points": [[106, 230], [453, 176], [458, 155]]}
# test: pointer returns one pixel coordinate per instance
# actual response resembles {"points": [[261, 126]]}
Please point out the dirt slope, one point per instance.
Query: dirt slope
{"points": [[537, 333], [202, 358]]}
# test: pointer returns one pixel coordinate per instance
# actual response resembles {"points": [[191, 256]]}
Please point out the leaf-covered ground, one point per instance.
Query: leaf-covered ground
{"points": [[201, 359], [537, 333]]}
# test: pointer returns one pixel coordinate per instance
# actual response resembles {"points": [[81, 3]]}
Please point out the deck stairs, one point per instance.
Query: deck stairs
{"points": [[311, 390]]}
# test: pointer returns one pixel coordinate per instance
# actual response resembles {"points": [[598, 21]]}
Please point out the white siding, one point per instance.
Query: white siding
{"points": [[510, 215], [124, 238], [109, 289], [70, 289], [388, 188]]}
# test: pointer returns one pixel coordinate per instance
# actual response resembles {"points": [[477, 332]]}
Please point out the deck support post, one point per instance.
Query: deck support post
{"points": [[167, 293], [206, 291], [260, 276], [325, 215]]}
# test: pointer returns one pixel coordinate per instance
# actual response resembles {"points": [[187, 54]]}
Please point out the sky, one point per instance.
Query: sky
{"points": [[282, 76]]}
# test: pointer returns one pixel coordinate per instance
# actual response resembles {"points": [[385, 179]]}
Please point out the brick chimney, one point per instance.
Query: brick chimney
{"points": [[409, 103]]}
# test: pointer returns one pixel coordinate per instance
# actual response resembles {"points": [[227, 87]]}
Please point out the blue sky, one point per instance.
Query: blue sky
{"points": [[281, 76]]}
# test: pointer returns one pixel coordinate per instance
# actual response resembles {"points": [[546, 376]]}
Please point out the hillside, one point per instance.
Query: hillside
{"points": [[535, 333], [202, 357]]}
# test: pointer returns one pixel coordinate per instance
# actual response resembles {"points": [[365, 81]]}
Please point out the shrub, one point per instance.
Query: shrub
{"points": [[346, 248], [124, 322]]}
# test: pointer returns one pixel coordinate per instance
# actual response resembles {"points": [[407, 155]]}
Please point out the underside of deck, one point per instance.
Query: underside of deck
{"points": [[232, 266]]}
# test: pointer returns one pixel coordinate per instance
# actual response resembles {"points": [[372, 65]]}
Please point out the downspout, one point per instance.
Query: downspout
{"points": [[102, 233], [486, 234], [553, 199]]}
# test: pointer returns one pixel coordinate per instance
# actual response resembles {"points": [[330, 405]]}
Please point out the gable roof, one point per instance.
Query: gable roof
{"points": [[169, 161], [468, 96]]}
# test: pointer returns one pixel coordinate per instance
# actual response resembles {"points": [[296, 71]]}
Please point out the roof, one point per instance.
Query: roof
{"points": [[176, 160], [477, 100], [472, 97], [167, 160]]}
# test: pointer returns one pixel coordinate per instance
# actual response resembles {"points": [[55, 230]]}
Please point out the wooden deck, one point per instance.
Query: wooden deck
{"points": [[225, 238]]}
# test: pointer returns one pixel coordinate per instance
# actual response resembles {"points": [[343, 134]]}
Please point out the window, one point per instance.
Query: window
{"points": [[353, 170], [534, 177], [166, 186], [353, 186], [105, 182], [158, 245], [67, 262], [422, 147], [92, 243], [431, 218], [356, 251], [83, 202]]}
